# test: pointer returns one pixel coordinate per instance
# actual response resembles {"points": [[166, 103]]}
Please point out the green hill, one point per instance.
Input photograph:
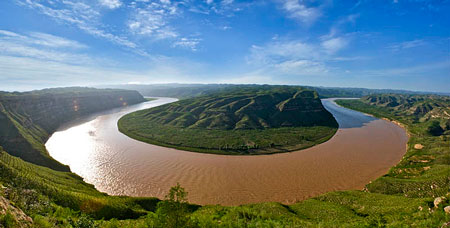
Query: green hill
{"points": [[402, 198], [28, 119], [183, 91], [420, 108], [239, 120]]}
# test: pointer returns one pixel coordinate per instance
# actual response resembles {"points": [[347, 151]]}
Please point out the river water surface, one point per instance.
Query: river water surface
{"points": [[363, 149]]}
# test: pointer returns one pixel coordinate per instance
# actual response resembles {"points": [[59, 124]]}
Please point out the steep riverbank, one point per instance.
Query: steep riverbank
{"points": [[28, 119]]}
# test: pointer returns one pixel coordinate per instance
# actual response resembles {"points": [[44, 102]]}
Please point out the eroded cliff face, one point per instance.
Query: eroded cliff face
{"points": [[28, 119]]}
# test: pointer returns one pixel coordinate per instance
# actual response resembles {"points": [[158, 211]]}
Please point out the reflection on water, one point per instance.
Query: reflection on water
{"points": [[347, 118], [119, 165]]}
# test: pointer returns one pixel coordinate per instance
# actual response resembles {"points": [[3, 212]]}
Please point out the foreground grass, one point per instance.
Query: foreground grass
{"points": [[31, 185]]}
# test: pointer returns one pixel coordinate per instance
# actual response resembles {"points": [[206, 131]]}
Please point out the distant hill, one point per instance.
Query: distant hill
{"points": [[28, 119], [239, 119], [192, 90], [420, 108]]}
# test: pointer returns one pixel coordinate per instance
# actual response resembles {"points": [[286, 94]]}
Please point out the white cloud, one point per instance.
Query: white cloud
{"points": [[42, 46], [36, 60], [188, 43], [85, 17], [296, 57], [307, 67], [406, 45], [112, 4], [49, 40], [26, 73], [279, 51], [227, 2], [10, 34], [333, 45], [152, 20], [298, 10], [292, 57], [221, 7]]}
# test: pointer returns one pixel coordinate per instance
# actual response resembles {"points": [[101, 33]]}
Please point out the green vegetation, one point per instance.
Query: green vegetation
{"points": [[7, 220], [184, 91], [174, 210], [65, 189], [243, 120], [425, 169], [28, 119], [402, 198], [59, 199]]}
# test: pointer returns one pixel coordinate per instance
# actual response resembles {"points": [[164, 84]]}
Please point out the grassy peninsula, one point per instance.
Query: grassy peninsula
{"points": [[238, 120]]}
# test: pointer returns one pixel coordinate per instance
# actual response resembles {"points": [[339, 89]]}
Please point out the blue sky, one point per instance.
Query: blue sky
{"points": [[398, 44]]}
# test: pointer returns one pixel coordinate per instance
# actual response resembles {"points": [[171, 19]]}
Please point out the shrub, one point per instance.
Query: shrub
{"points": [[173, 211], [435, 128], [8, 220]]}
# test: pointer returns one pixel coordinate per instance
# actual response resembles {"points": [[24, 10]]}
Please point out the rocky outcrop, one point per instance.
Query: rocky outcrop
{"points": [[20, 219], [447, 209], [437, 201], [28, 119]]}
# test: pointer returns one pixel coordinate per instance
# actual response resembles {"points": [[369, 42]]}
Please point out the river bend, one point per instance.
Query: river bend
{"points": [[363, 149]]}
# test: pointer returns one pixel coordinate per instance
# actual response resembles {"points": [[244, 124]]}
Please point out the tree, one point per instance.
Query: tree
{"points": [[435, 128], [173, 211]]}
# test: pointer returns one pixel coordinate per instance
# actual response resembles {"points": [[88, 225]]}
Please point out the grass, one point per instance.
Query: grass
{"points": [[243, 120], [8, 220], [402, 198], [66, 190]]}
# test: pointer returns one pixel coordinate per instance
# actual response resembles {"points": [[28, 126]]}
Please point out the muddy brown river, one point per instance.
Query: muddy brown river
{"points": [[363, 149]]}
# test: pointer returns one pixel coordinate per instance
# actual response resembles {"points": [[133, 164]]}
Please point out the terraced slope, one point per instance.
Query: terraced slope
{"points": [[243, 120], [420, 108], [425, 169]]}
